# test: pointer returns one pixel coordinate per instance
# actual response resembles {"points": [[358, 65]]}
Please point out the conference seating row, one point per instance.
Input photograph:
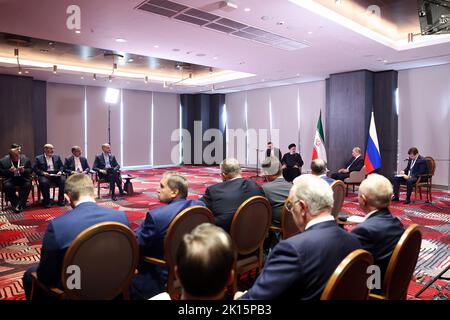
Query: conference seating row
{"points": [[108, 269]]}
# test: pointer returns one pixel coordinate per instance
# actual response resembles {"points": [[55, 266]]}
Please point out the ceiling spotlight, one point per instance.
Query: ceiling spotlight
{"points": [[310, 32], [156, 46], [121, 40], [95, 76], [215, 58], [130, 60], [20, 71], [77, 31], [280, 23], [146, 79], [50, 43], [55, 68], [82, 77], [247, 9]]}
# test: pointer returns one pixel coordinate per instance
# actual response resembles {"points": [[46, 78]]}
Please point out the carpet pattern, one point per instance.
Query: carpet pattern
{"points": [[21, 234]]}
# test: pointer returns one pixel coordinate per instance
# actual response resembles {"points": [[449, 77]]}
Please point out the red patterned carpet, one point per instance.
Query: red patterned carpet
{"points": [[21, 234]]}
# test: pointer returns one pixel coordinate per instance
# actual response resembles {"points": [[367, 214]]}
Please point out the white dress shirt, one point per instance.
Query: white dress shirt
{"points": [[106, 157], [50, 166], [78, 166], [319, 220]]}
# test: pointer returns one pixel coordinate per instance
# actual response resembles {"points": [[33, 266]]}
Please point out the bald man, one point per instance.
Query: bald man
{"points": [[49, 169]]}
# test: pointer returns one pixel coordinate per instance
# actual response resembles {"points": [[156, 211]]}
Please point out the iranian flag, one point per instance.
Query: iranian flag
{"points": [[319, 142]]}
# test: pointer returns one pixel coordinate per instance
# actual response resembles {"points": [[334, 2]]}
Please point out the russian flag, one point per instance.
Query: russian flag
{"points": [[372, 160]]}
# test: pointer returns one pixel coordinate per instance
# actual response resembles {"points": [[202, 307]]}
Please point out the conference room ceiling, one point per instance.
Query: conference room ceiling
{"points": [[206, 34]]}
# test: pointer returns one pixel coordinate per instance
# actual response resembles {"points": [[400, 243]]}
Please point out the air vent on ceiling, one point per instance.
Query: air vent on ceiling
{"points": [[214, 22]]}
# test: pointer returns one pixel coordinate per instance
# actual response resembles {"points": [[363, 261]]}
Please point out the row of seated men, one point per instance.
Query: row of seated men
{"points": [[298, 267], [16, 170]]}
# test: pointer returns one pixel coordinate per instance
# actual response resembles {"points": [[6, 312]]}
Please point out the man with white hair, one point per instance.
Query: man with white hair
{"points": [[300, 266], [224, 198], [380, 232]]}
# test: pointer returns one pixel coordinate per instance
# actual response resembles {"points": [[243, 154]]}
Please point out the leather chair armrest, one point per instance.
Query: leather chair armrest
{"points": [[156, 261]]}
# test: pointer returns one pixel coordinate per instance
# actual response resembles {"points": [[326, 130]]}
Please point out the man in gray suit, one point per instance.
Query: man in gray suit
{"points": [[277, 189]]}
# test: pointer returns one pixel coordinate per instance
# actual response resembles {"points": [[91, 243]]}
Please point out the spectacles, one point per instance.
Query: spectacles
{"points": [[290, 206]]}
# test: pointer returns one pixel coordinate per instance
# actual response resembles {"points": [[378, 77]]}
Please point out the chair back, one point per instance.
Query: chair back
{"points": [[250, 224], [287, 223], [402, 264], [182, 224], [105, 256], [349, 280], [431, 165], [338, 188], [356, 177]]}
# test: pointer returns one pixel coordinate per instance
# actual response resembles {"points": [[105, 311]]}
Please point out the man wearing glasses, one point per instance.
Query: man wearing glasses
{"points": [[300, 267]]}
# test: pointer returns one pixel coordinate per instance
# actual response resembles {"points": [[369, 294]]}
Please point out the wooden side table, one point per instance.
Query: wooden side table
{"points": [[128, 186]]}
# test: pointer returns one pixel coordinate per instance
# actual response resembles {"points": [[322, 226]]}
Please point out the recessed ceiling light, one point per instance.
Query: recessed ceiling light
{"points": [[247, 9], [156, 46], [50, 43], [215, 58], [82, 78], [265, 18], [200, 54], [280, 23], [175, 50], [130, 60], [385, 61], [77, 31], [26, 71], [121, 40], [310, 32], [298, 74]]}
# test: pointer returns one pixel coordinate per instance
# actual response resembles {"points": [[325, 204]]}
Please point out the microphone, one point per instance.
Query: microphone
{"points": [[407, 159]]}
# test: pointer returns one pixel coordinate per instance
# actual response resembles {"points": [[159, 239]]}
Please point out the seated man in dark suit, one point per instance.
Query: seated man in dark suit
{"points": [[417, 165], [173, 190], [354, 164], [276, 189], [15, 169], [224, 198], [300, 266], [272, 151], [380, 231], [62, 230], [107, 167], [292, 163], [76, 163], [204, 264], [49, 169]]}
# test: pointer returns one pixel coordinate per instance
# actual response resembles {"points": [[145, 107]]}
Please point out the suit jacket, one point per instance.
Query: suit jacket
{"points": [[224, 198], [420, 167], [40, 165], [5, 165], [300, 267], [379, 235], [99, 162], [355, 165], [276, 152], [276, 192], [61, 232], [69, 164], [327, 179], [152, 279]]}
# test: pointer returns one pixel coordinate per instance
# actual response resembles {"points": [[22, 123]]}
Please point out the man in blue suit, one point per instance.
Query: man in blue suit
{"points": [[49, 169], [300, 266], [173, 190], [107, 167], [417, 165], [319, 168], [62, 230], [381, 231], [76, 163]]}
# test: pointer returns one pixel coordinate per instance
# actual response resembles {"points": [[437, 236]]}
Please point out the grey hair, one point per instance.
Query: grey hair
{"points": [[377, 189], [230, 167], [177, 181], [315, 191]]}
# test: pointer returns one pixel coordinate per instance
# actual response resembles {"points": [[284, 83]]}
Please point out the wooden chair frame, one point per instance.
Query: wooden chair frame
{"points": [[73, 249]]}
